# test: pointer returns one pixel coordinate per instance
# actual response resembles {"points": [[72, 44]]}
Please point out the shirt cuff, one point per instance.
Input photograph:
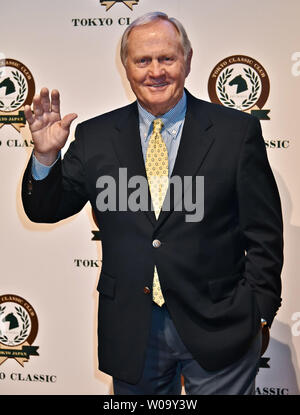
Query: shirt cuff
{"points": [[40, 171]]}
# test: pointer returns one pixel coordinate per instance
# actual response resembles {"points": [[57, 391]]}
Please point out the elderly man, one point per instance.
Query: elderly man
{"points": [[177, 296]]}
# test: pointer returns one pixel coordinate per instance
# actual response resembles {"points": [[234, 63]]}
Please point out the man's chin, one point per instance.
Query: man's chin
{"points": [[158, 102]]}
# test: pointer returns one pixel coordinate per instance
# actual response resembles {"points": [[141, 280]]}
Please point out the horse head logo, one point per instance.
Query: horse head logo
{"points": [[240, 82], [13, 321], [9, 85]]}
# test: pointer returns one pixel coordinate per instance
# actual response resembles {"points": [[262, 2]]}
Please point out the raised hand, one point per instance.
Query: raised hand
{"points": [[49, 131]]}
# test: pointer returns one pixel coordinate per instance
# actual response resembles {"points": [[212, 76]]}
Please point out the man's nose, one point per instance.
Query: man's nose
{"points": [[156, 69]]}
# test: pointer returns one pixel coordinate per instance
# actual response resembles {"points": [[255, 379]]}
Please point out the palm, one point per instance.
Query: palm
{"points": [[48, 130]]}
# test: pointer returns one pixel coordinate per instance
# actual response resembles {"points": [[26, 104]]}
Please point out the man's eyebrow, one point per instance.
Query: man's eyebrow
{"points": [[142, 57]]}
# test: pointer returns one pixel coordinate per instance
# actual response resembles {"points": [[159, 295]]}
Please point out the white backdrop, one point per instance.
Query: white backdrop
{"points": [[55, 268]]}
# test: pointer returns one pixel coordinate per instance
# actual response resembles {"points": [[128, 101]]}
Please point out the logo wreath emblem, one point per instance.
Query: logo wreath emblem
{"points": [[18, 329], [242, 83], [17, 89]]}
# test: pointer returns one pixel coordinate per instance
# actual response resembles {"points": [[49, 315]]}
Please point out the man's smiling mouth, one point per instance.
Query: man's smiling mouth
{"points": [[160, 85]]}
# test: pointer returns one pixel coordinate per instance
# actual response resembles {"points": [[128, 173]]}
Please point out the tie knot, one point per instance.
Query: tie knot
{"points": [[157, 125]]}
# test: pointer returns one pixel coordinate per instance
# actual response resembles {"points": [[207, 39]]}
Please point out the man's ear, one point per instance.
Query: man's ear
{"points": [[188, 63]]}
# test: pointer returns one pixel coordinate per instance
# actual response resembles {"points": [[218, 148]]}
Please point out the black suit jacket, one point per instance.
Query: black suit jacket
{"points": [[219, 276]]}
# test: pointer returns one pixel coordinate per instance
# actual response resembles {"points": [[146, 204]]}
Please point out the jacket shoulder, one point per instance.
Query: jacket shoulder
{"points": [[109, 118], [219, 113]]}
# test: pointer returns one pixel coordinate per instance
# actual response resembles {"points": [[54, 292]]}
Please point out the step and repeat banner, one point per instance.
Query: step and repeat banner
{"points": [[246, 56]]}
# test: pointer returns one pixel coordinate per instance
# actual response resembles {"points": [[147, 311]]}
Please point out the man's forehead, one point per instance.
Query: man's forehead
{"points": [[152, 28]]}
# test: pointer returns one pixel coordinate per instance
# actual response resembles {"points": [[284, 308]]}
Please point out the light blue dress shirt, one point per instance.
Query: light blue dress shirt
{"points": [[171, 132]]}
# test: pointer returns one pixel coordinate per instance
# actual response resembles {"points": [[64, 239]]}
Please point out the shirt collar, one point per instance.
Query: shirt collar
{"points": [[171, 119]]}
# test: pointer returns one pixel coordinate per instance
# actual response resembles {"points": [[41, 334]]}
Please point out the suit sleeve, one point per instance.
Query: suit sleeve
{"points": [[63, 192], [260, 219]]}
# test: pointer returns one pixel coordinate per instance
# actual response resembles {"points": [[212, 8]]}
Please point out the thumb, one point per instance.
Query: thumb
{"points": [[67, 120]]}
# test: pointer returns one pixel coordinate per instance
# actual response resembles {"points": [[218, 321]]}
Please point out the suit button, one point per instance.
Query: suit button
{"points": [[29, 187], [147, 290], [156, 243]]}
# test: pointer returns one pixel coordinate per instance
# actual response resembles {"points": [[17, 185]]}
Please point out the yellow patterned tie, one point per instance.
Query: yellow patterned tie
{"points": [[158, 179]]}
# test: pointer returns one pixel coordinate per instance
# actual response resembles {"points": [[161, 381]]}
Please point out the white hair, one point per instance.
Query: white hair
{"points": [[150, 17]]}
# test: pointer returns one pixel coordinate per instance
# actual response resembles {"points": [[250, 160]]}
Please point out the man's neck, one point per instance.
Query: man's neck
{"points": [[163, 113], [160, 111]]}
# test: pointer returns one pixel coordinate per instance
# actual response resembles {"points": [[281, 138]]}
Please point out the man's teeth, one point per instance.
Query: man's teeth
{"points": [[158, 85]]}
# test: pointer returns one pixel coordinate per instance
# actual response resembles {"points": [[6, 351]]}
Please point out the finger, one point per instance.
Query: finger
{"points": [[55, 101], [45, 100], [67, 120], [37, 106], [28, 114]]}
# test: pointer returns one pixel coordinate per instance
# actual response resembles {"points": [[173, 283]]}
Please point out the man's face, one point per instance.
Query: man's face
{"points": [[155, 66]]}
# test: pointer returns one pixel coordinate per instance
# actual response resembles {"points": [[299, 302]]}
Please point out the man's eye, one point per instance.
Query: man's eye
{"points": [[168, 59], [143, 61]]}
